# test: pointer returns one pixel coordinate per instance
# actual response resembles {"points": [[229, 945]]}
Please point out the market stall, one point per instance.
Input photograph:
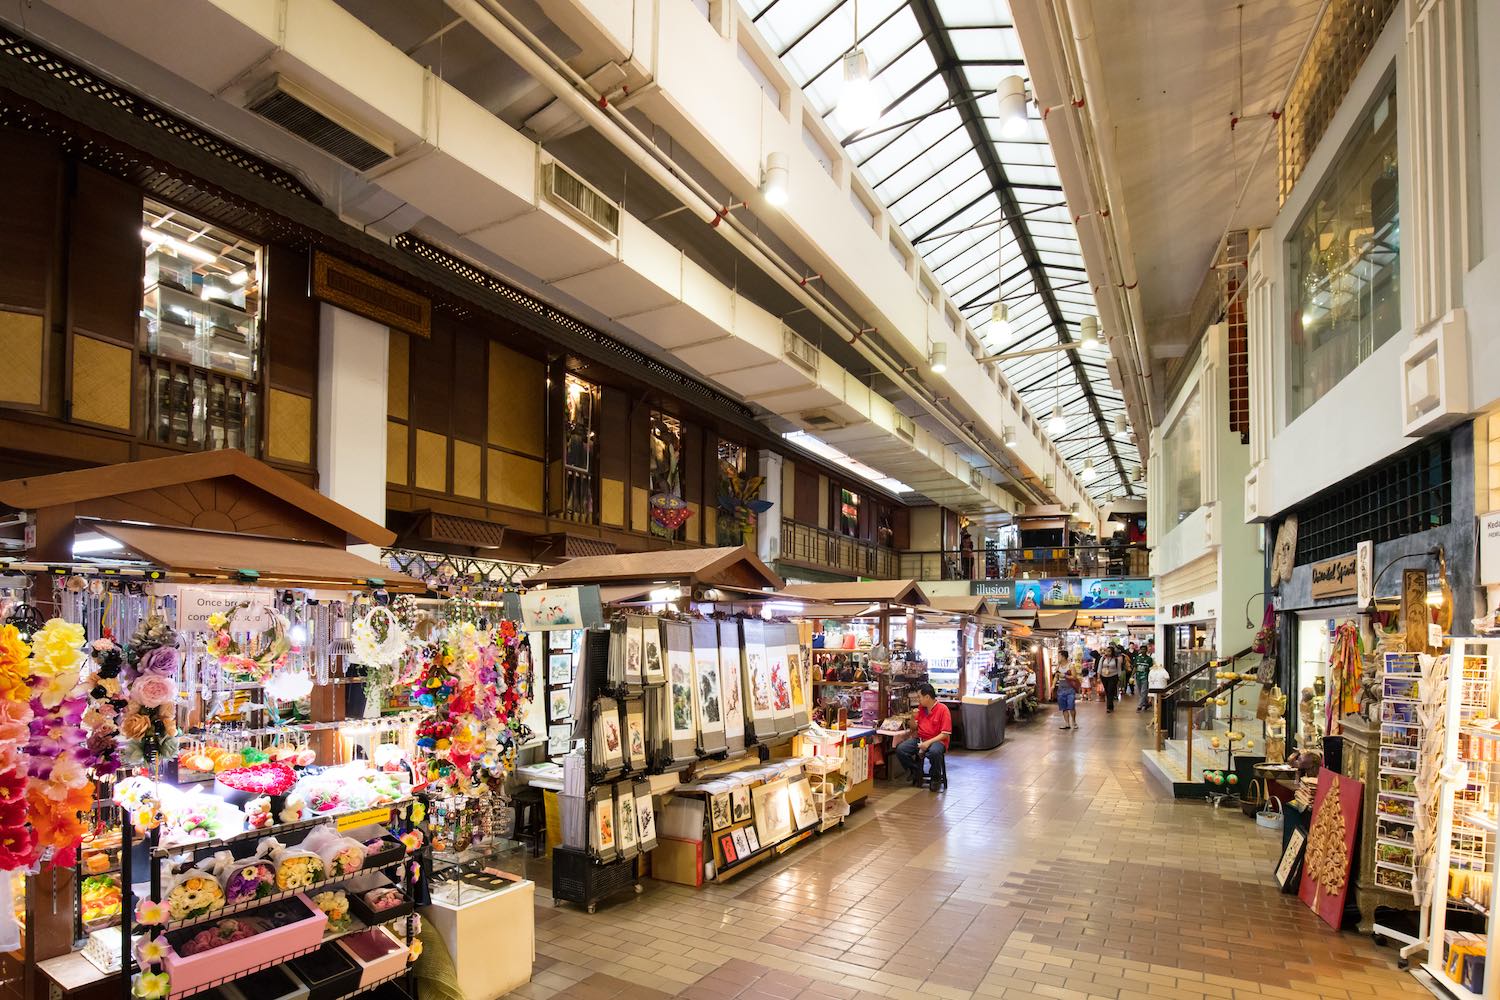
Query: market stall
{"points": [[252, 731], [692, 669]]}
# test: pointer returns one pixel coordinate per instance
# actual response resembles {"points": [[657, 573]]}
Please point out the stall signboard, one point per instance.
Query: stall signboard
{"points": [[252, 606], [560, 608], [1337, 577], [1087, 593]]}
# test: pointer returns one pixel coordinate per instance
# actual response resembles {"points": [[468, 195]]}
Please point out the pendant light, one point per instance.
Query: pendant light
{"points": [[1088, 472], [773, 184], [1011, 95], [1058, 424], [1000, 312], [937, 358], [857, 110], [1008, 437]]}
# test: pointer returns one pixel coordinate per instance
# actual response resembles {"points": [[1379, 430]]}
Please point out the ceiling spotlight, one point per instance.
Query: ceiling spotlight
{"points": [[937, 358], [1088, 330], [773, 179], [1057, 424], [1088, 472], [1011, 94], [856, 108], [1008, 437]]}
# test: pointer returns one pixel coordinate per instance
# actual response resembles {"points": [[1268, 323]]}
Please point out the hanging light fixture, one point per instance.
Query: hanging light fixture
{"points": [[937, 358], [1008, 437], [1058, 423], [1088, 472], [856, 108], [773, 179], [1122, 427], [1088, 330], [1011, 94], [1000, 316]]}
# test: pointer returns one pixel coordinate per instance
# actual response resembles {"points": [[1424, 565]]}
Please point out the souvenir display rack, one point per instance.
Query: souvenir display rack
{"points": [[1468, 829], [1401, 747]]}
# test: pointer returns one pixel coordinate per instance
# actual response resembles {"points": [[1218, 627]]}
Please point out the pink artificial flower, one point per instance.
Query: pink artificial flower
{"points": [[153, 690]]}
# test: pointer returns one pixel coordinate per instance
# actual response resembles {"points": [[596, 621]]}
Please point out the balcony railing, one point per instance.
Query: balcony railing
{"points": [[828, 550], [1030, 561]]}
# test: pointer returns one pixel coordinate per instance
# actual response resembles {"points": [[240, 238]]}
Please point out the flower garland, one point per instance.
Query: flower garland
{"points": [[149, 721], [60, 791], [17, 840], [106, 701], [152, 982], [238, 660]]}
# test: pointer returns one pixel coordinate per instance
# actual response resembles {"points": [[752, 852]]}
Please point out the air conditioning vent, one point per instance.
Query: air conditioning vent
{"points": [[580, 199], [821, 420], [303, 113], [976, 479], [799, 351], [906, 427]]}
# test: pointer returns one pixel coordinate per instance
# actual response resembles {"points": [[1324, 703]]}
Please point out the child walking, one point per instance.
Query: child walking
{"points": [[1087, 685], [1067, 694]]}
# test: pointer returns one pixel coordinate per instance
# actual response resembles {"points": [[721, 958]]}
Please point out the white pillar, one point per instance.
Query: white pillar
{"points": [[353, 362], [768, 526]]}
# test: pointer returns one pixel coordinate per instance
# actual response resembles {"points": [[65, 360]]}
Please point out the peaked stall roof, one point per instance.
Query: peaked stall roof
{"points": [[735, 566], [982, 205]]}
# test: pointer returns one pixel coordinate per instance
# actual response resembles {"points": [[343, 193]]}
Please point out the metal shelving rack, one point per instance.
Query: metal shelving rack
{"points": [[1466, 858]]}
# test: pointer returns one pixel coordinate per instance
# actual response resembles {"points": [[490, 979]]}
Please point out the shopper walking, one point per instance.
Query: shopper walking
{"points": [[1142, 662], [1110, 666], [1067, 695]]}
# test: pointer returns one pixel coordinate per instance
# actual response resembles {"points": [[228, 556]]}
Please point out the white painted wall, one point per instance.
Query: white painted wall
{"points": [[353, 363]]}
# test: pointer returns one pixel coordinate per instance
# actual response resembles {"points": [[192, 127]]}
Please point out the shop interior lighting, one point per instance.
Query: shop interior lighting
{"points": [[857, 108], [1011, 94], [937, 358], [158, 238], [1057, 424], [817, 446], [665, 595], [98, 543], [240, 278], [773, 179]]}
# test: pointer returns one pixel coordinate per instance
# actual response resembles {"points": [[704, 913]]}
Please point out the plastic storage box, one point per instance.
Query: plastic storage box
{"points": [[298, 925], [377, 953]]}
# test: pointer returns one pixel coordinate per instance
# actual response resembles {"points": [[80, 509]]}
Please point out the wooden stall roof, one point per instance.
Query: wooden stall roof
{"points": [[958, 605], [1056, 621], [276, 560], [735, 566], [903, 592], [226, 491]]}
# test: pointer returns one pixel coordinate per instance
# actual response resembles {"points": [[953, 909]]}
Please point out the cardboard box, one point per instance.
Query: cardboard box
{"points": [[678, 860]]}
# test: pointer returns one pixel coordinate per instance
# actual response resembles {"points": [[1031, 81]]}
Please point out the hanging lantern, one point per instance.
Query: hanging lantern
{"points": [[671, 512]]}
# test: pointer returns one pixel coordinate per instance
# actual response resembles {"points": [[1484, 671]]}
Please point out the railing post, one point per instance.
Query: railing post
{"points": [[1190, 742], [1161, 729]]}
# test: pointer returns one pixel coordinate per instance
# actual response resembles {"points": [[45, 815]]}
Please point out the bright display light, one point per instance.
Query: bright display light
{"points": [[857, 109], [156, 236], [1008, 437], [1089, 332], [1012, 98], [240, 278], [773, 182], [1000, 319], [86, 546], [937, 358], [1058, 424], [1087, 474]]}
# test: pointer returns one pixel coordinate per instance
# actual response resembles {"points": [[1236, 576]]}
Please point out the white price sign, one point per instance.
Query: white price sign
{"points": [[1489, 547], [195, 604]]}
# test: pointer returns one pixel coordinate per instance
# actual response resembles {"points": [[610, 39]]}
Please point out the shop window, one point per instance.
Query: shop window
{"points": [[666, 465], [1182, 459], [1343, 260], [580, 451], [848, 513], [732, 460], [200, 332]]}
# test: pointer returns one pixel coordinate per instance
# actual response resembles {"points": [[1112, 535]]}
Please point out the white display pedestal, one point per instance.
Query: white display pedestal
{"points": [[492, 939]]}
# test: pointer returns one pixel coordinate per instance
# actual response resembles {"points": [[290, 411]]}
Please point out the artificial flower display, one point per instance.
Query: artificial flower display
{"points": [[149, 720], [151, 982], [193, 894], [60, 794], [17, 840], [245, 661], [106, 692]]}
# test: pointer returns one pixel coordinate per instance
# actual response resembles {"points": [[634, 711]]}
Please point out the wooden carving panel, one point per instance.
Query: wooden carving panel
{"points": [[214, 505], [1414, 610]]}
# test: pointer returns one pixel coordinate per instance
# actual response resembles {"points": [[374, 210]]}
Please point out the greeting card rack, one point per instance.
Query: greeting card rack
{"points": [[400, 813]]}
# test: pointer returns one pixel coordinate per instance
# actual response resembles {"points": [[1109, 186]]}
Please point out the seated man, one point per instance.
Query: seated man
{"points": [[929, 740]]}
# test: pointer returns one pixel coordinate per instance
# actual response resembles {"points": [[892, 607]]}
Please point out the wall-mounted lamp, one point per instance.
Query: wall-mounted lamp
{"points": [[1011, 95], [937, 358], [1008, 437], [773, 179], [1088, 332]]}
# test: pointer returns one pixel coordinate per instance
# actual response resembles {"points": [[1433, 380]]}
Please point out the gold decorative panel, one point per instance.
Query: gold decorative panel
{"points": [[1340, 43], [612, 502], [289, 427], [710, 526], [432, 462], [517, 399], [515, 481], [694, 526], [640, 510], [21, 347], [397, 440], [101, 383], [398, 377], [367, 294], [466, 474]]}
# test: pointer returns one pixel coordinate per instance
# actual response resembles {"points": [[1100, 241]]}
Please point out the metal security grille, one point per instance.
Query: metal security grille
{"points": [[1408, 493]]}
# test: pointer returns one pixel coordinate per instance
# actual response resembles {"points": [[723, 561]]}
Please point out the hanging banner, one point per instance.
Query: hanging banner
{"points": [[655, 670], [708, 700], [679, 656], [757, 680], [634, 640], [730, 684], [798, 676]]}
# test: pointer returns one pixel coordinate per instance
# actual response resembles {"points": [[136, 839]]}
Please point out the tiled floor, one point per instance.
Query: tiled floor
{"points": [[1052, 867]]}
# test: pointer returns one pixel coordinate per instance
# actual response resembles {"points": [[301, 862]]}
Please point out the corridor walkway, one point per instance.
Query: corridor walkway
{"points": [[1052, 867]]}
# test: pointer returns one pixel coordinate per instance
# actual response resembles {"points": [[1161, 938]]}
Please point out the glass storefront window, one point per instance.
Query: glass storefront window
{"points": [[199, 332], [666, 464], [580, 450], [1182, 460], [849, 502], [1343, 263]]}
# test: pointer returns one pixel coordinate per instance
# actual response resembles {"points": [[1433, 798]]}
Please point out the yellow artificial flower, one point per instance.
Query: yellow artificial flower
{"points": [[151, 985], [217, 620], [58, 641], [151, 951], [58, 686]]}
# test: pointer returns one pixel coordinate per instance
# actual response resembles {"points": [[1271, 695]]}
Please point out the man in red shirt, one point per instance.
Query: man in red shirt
{"points": [[928, 740]]}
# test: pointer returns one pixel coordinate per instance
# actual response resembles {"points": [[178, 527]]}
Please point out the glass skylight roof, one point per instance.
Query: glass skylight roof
{"points": [[922, 163]]}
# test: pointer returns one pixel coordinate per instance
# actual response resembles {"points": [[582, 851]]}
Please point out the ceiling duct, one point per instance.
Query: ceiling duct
{"points": [[297, 109], [580, 199]]}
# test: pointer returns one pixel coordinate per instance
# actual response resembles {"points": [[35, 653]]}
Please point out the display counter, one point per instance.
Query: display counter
{"points": [[983, 721], [491, 937]]}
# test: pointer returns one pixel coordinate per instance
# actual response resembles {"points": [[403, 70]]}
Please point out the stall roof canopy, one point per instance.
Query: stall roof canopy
{"points": [[224, 491], [736, 567], [902, 592], [958, 605], [276, 560], [1056, 621]]}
